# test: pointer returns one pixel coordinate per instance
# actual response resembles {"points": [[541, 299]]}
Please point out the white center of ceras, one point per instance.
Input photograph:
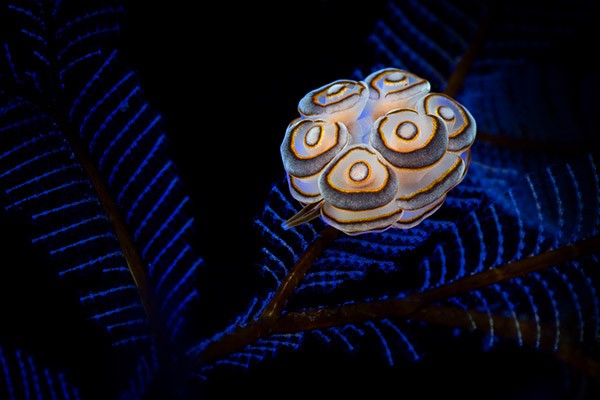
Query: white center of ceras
{"points": [[335, 89], [407, 130], [313, 135], [446, 113], [359, 171], [395, 77]]}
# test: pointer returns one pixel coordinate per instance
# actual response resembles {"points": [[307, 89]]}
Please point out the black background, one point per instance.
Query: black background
{"points": [[228, 79]]}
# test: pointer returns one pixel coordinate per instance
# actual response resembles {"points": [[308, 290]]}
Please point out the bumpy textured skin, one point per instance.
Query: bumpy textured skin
{"points": [[371, 150]]}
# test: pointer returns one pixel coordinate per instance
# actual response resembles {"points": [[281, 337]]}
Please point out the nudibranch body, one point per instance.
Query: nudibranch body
{"points": [[374, 154]]}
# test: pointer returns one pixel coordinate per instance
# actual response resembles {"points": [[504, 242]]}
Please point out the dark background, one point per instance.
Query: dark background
{"points": [[228, 79]]}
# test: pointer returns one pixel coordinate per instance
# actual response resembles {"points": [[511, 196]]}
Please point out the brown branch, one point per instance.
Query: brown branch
{"points": [[132, 257], [327, 317], [361, 312], [293, 278]]}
